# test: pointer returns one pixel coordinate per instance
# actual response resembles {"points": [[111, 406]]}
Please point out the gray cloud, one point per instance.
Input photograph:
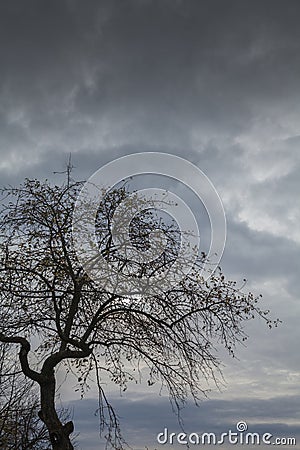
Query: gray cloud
{"points": [[140, 72], [142, 420]]}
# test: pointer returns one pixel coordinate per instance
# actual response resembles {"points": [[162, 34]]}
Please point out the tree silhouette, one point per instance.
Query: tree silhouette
{"points": [[47, 297], [20, 426]]}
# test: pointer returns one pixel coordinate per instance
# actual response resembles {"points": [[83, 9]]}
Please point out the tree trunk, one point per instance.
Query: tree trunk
{"points": [[59, 434]]}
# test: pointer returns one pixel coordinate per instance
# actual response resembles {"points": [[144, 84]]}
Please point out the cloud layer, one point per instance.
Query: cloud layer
{"points": [[214, 82]]}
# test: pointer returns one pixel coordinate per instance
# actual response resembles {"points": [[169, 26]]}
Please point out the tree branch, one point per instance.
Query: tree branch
{"points": [[23, 356]]}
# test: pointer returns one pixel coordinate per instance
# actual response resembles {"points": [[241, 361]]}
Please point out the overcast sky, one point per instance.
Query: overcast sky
{"points": [[215, 82]]}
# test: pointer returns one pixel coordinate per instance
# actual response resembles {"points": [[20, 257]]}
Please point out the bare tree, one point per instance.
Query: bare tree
{"points": [[20, 426], [47, 295]]}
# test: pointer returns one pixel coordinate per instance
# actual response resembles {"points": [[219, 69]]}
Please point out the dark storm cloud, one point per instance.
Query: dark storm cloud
{"points": [[94, 76]]}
